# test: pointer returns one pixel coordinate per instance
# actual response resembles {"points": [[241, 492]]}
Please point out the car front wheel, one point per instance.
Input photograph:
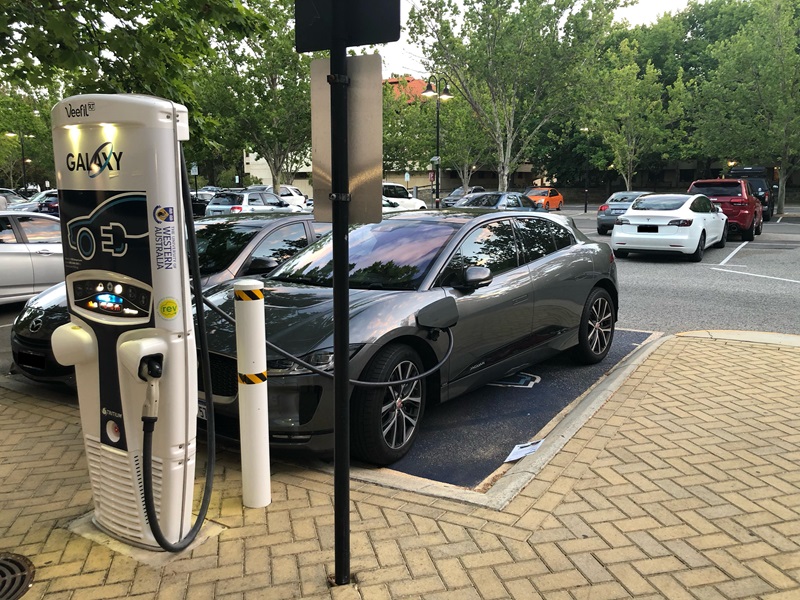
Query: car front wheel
{"points": [[596, 329], [386, 420]]}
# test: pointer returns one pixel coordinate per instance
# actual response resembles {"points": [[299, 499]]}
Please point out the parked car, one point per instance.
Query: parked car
{"points": [[290, 194], [224, 203], [14, 201], [458, 193], [760, 181], [550, 197], [47, 202], [670, 223], [526, 286], [738, 202], [31, 255], [398, 193], [200, 200], [498, 201], [228, 247], [616, 204]]}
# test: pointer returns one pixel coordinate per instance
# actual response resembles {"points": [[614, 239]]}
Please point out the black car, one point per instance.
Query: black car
{"points": [[231, 246], [48, 202], [512, 288]]}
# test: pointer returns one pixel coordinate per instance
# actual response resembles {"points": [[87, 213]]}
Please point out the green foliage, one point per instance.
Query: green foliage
{"points": [[27, 116]]}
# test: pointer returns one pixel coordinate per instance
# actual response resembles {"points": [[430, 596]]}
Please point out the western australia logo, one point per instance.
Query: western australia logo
{"points": [[104, 158]]}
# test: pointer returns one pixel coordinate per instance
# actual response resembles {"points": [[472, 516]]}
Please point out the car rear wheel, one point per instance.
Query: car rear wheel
{"points": [[723, 239], [596, 329], [602, 230], [768, 213], [385, 420], [760, 227], [621, 253], [749, 234], [697, 255], [560, 205]]}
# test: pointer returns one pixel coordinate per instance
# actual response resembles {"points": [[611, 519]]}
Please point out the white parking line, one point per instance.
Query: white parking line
{"points": [[755, 275], [732, 254]]}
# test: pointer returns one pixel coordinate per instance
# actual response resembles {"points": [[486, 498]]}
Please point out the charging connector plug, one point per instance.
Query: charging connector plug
{"points": [[150, 370]]}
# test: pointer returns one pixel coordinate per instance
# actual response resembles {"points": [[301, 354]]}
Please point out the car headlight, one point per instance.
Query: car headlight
{"points": [[321, 359]]}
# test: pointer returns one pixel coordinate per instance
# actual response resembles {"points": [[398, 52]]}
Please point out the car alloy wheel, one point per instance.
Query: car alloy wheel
{"points": [[385, 420], [596, 329]]}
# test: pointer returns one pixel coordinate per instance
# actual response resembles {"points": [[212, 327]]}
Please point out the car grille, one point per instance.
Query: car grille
{"points": [[224, 380]]}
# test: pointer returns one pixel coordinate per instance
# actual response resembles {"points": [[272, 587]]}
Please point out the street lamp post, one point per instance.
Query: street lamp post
{"points": [[443, 96]]}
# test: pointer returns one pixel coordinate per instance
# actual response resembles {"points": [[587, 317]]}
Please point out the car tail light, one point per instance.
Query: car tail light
{"points": [[236, 209], [603, 208], [621, 221], [681, 222]]}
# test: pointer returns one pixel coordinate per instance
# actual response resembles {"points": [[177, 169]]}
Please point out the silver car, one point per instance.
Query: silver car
{"points": [[512, 288], [616, 205], [30, 254], [231, 203]]}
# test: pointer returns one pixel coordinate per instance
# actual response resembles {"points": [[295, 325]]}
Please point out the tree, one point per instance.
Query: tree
{"points": [[408, 128], [753, 98], [466, 146], [26, 115], [134, 46], [630, 113], [518, 65]]}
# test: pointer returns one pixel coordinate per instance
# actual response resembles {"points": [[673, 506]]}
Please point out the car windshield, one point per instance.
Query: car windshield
{"points": [[394, 254], [623, 197], [218, 244], [717, 188], [486, 200], [658, 202], [456, 193], [227, 199], [537, 192]]}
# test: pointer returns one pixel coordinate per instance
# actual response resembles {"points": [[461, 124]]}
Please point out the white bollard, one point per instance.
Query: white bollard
{"points": [[251, 350]]}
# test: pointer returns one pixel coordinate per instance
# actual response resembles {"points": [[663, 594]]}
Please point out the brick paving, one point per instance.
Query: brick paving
{"points": [[684, 483]]}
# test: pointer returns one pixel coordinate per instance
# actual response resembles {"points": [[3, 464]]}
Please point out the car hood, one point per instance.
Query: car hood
{"points": [[299, 318]]}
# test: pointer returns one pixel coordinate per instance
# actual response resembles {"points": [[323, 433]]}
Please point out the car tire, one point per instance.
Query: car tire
{"points": [[760, 227], [602, 230], [621, 253], [385, 420], [697, 255], [749, 234], [560, 205], [768, 213], [596, 329], [724, 239]]}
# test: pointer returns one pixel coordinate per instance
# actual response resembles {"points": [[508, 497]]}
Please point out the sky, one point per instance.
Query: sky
{"points": [[401, 58]]}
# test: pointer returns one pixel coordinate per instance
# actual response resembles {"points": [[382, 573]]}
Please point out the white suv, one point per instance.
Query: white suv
{"points": [[291, 194], [399, 194], [225, 203]]}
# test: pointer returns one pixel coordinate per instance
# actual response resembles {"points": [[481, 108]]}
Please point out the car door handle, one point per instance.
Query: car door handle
{"points": [[519, 299], [44, 252]]}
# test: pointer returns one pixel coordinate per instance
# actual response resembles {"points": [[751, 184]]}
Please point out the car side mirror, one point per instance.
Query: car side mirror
{"points": [[261, 266], [476, 277], [438, 315]]}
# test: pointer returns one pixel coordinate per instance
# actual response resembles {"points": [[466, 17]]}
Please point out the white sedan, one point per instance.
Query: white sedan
{"points": [[670, 223]]}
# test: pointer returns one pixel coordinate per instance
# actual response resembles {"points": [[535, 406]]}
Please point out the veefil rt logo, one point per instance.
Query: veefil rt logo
{"points": [[103, 158]]}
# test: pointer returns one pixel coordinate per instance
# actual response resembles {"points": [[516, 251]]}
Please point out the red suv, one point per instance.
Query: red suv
{"points": [[738, 202]]}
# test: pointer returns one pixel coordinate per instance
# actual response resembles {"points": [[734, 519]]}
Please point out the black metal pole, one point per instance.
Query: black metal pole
{"points": [[438, 155], [24, 177], [340, 196]]}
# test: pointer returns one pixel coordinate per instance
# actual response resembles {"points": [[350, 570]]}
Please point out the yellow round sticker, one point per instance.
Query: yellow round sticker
{"points": [[168, 308]]}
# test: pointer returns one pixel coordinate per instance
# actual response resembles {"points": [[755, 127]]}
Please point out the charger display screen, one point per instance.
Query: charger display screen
{"points": [[111, 297]]}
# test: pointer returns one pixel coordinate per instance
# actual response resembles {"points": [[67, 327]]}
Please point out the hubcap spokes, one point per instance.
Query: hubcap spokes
{"points": [[401, 406], [601, 326]]}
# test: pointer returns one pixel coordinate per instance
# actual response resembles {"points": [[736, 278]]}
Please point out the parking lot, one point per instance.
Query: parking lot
{"points": [[745, 286]]}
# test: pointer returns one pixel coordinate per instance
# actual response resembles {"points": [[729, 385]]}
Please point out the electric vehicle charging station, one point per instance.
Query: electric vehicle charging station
{"points": [[131, 335]]}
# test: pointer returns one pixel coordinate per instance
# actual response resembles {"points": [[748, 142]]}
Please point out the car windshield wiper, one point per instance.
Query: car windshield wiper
{"points": [[306, 280]]}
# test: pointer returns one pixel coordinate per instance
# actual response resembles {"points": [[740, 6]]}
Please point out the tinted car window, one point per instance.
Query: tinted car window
{"points": [[282, 243], [561, 235], [271, 199], [255, 200], [513, 201], [527, 202], [492, 246], [659, 203], [227, 199], [393, 254], [40, 231], [6, 232], [721, 188], [701, 204], [537, 238], [394, 191], [219, 243]]}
